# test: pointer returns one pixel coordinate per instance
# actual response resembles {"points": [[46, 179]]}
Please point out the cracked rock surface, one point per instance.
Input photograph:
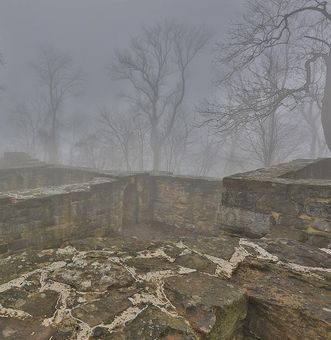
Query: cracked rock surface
{"points": [[180, 287]]}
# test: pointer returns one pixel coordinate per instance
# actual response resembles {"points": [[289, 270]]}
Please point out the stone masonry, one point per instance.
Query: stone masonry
{"points": [[293, 200]]}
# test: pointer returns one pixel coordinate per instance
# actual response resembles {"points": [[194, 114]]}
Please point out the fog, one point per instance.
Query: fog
{"points": [[90, 33]]}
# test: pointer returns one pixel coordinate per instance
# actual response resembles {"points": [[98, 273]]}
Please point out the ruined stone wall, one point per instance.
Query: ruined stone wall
{"points": [[42, 176], [316, 169], [11, 160], [45, 216], [275, 201], [42, 213], [189, 202], [50, 217], [268, 201]]}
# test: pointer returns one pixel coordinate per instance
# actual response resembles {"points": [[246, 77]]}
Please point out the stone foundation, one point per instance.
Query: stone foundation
{"points": [[47, 203], [288, 199], [43, 213]]}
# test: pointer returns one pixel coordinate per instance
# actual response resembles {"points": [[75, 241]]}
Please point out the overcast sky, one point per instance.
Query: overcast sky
{"points": [[89, 31]]}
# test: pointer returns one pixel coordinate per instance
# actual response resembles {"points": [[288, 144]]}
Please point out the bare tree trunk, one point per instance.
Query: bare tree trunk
{"points": [[156, 150], [141, 156], [53, 142], [313, 131], [156, 147], [326, 104], [127, 160]]}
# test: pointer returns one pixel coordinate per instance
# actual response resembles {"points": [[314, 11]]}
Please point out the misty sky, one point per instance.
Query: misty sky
{"points": [[89, 31]]}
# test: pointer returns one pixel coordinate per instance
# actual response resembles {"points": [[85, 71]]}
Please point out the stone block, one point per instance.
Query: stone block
{"points": [[318, 207], [245, 221], [240, 199], [277, 203], [3, 247]]}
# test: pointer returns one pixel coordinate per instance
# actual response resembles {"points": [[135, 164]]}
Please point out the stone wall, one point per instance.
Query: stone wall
{"points": [[45, 216], [42, 176], [316, 169], [47, 204], [277, 200], [11, 160], [190, 202]]}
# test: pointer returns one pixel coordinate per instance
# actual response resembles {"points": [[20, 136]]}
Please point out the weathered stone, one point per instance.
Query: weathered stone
{"points": [[278, 203], [186, 201], [3, 247], [240, 199], [245, 221], [197, 262], [155, 324], [41, 305], [284, 192], [319, 208], [126, 288], [93, 274], [104, 308], [287, 308], [213, 307]]}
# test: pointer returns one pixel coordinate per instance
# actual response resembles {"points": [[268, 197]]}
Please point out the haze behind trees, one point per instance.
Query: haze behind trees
{"points": [[270, 85]]}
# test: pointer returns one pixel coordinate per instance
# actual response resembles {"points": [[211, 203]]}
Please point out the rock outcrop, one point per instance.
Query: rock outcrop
{"points": [[178, 287]]}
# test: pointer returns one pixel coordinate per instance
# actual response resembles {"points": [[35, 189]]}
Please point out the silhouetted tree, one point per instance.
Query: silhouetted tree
{"points": [[59, 80], [305, 26], [156, 66], [28, 122], [118, 129]]}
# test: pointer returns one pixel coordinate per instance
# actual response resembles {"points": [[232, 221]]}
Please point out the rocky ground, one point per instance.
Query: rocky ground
{"points": [[157, 286]]}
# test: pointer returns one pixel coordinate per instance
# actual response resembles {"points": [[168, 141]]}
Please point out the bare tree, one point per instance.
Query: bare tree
{"points": [[91, 153], [28, 123], [156, 66], [59, 80], [75, 128], [305, 26], [177, 143], [310, 111], [232, 160], [270, 141], [140, 132], [208, 157], [118, 129]]}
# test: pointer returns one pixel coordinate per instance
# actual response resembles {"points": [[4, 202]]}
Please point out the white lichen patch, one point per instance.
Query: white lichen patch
{"points": [[224, 268], [18, 282], [262, 254], [121, 320], [326, 250], [265, 255], [53, 190], [13, 313], [156, 275], [312, 271], [61, 306], [185, 252], [69, 250], [185, 271], [148, 254]]}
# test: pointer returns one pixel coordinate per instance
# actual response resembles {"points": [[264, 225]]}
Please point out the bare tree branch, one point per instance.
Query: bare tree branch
{"points": [[156, 65]]}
